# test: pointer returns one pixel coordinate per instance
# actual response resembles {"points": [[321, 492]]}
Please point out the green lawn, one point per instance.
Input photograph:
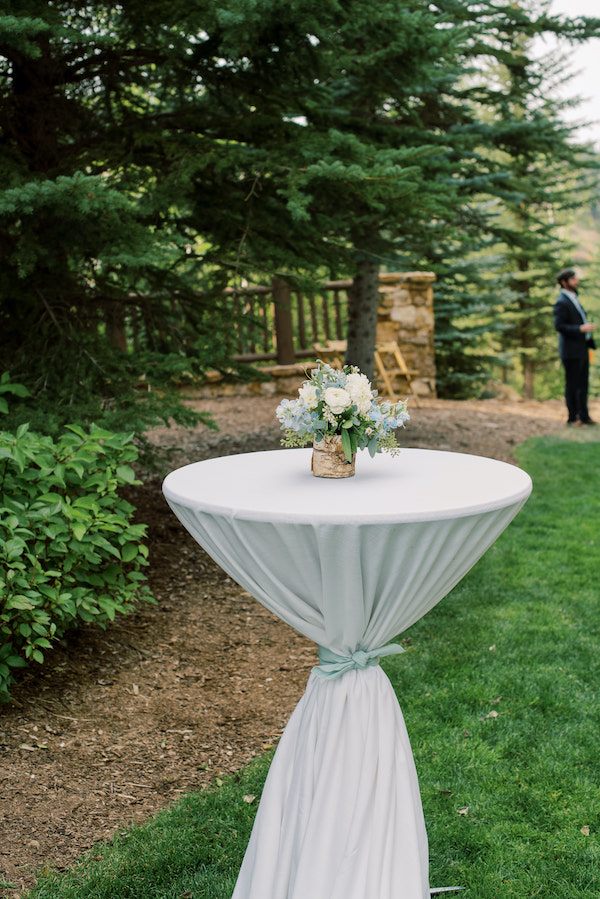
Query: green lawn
{"points": [[500, 691]]}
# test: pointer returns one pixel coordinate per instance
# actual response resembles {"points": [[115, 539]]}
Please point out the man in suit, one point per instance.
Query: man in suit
{"points": [[574, 343]]}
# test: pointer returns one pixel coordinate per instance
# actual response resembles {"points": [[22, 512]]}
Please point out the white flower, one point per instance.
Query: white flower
{"points": [[360, 392], [356, 379], [334, 402], [337, 399], [308, 393]]}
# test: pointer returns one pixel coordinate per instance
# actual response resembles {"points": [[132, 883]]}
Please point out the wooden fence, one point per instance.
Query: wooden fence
{"points": [[280, 324]]}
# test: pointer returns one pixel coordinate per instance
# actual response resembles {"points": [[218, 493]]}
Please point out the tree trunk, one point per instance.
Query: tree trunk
{"points": [[115, 325], [527, 339], [363, 304], [284, 328], [528, 377], [36, 104]]}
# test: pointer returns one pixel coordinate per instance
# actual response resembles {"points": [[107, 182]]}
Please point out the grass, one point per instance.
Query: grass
{"points": [[194, 849], [500, 690]]}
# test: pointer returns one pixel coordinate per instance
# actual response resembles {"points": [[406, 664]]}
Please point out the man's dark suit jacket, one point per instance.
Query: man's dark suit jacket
{"points": [[572, 344]]}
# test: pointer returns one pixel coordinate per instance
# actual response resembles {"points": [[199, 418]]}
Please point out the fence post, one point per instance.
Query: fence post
{"points": [[284, 330]]}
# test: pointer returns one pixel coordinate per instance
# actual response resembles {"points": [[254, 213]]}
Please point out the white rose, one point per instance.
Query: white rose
{"points": [[360, 392], [356, 379], [363, 405], [337, 399], [308, 394]]}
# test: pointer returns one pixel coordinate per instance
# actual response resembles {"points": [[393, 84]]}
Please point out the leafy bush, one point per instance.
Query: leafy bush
{"points": [[68, 549]]}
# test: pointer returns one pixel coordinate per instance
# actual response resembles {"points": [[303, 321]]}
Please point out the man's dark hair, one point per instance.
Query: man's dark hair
{"points": [[565, 275]]}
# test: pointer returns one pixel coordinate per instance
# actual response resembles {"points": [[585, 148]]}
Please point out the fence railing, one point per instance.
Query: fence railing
{"points": [[280, 324]]}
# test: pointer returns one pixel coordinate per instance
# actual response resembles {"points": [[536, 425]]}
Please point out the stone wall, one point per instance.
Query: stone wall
{"points": [[406, 317]]}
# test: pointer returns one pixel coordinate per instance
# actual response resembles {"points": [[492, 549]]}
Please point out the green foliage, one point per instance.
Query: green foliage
{"points": [[99, 280], [150, 150], [69, 551], [540, 175], [518, 172], [119, 392], [7, 386]]}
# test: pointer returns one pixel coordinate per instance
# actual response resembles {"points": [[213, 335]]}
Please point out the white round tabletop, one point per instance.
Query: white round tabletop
{"points": [[415, 485]]}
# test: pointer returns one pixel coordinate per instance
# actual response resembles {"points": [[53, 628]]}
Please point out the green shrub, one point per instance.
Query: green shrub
{"points": [[68, 550]]}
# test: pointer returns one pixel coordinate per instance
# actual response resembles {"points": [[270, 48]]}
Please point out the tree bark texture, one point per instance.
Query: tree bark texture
{"points": [[284, 328], [363, 304], [528, 377], [37, 107]]}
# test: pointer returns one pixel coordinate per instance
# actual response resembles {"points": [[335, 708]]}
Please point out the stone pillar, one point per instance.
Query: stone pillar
{"points": [[406, 318]]}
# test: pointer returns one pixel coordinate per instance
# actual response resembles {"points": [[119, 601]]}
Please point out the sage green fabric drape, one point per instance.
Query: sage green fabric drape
{"points": [[350, 564]]}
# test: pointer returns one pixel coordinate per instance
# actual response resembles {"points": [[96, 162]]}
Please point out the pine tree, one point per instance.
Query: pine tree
{"points": [[148, 150], [541, 172], [88, 233], [344, 156]]}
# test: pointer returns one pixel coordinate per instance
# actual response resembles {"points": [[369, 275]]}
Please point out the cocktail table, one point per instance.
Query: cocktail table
{"points": [[349, 563]]}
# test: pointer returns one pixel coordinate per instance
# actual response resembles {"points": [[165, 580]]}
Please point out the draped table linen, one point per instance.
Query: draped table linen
{"points": [[351, 564]]}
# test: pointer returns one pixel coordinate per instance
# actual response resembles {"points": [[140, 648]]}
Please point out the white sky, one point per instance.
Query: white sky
{"points": [[586, 61]]}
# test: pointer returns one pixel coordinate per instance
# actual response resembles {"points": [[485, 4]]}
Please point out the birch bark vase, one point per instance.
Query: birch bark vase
{"points": [[329, 461]]}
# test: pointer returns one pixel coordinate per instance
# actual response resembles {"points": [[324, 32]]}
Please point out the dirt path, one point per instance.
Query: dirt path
{"points": [[120, 723]]}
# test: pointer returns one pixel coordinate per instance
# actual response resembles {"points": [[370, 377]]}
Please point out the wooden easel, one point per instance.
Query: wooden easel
{"points": [[333, 352], [388, 371]]}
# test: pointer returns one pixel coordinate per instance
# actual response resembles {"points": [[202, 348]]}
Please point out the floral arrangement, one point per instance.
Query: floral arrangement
{"points": [[342, 402]]}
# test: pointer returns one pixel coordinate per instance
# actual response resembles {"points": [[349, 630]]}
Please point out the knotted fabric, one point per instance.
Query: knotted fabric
{"points": [[332, 665]]}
